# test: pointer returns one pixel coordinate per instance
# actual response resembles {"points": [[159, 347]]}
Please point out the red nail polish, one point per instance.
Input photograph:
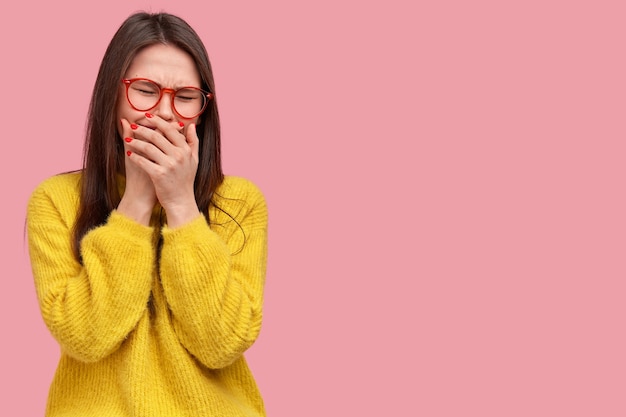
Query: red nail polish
{"points": [[128, 153], [181, 124], [128, 139], [148, 115], [133, 126]]}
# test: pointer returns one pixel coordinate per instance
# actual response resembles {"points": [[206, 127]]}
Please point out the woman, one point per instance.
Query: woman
{"points": [[149, 264]]}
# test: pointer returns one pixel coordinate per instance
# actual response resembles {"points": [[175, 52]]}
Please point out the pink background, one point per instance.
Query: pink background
{"points": [[445, 185]]}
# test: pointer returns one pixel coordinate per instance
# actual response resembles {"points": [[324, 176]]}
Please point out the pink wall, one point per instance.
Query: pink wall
{"points": [[446, 187]]}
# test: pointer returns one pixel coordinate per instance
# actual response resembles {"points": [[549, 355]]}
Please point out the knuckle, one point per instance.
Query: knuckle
{"points": [[159, 173], [171, 164]]}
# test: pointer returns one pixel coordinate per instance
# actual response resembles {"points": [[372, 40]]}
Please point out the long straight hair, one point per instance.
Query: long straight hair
{"points": [[103, 154]]}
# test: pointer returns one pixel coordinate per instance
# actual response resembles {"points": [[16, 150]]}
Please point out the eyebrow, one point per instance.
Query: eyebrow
{"points": [[177, 86]]}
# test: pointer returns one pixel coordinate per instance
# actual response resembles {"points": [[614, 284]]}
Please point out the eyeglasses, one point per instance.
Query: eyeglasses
{"points": [[144, 94]]}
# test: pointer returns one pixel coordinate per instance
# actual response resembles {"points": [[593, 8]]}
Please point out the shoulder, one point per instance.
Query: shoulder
{"points": [[238, 188], [60, 190], [66, 182], [239, 197]]}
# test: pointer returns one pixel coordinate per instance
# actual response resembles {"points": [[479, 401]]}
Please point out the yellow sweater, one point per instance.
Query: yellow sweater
{"points": [[142, 335]]}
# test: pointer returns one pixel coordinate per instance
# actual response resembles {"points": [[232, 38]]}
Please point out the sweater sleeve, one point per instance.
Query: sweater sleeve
{"points": [[214, 285], [89, 308]]}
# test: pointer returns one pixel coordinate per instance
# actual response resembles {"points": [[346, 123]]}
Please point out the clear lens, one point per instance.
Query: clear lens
{"points": [[188, 102], [143, 94]]}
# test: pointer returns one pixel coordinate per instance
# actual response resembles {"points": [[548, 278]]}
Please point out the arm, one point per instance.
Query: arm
{"points": [[89, 308], [213, 286]]}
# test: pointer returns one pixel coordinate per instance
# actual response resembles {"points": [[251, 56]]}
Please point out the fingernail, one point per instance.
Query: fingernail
{"points": [[181, 124], [133, 126], [128, 139], [128, 153], [148, 115]]}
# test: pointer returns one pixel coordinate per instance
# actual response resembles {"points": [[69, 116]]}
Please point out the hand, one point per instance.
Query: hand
{"points": [[139, 196], [168, 153]]}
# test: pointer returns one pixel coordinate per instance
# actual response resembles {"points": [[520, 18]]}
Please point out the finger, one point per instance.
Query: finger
{"points": [[154, 137], [148, 166], [191, 136], [171, 130], [127, 131], [146, 150]]}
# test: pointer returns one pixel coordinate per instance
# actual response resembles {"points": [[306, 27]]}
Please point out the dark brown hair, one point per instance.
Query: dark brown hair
{"points": [[103, 156]]}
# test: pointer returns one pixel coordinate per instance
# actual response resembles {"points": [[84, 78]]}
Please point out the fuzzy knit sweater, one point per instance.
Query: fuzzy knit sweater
{"points": [[151, 335]]}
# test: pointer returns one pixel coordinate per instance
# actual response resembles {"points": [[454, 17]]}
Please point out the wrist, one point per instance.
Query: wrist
{"points": [[181, 214], [136, 209]]}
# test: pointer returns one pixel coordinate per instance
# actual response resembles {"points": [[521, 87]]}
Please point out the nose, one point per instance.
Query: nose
{"points": [[164, 109]]}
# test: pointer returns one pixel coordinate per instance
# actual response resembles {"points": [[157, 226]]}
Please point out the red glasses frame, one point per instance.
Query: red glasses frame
{"points": [[129, 81]]}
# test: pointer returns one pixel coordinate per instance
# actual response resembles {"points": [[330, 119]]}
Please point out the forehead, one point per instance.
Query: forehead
{"points": [[168, 65]]}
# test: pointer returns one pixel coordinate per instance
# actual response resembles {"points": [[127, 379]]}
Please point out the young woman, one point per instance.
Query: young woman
{"points": [[149, 264]]}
